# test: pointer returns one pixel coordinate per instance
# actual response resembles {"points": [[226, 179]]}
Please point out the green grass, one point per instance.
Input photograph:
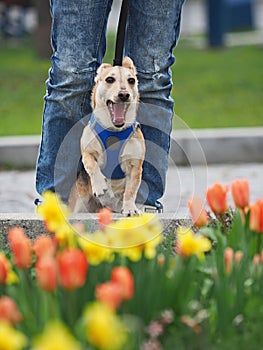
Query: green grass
{"points": [[212, 88], [219, 88]]}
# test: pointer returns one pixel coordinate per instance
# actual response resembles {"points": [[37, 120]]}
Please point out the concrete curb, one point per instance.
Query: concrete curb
{"points": [[34, 226], [194, 146]]}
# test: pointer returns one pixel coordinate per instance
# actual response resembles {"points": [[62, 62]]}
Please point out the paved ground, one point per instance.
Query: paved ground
{"points": [[17, 191]]}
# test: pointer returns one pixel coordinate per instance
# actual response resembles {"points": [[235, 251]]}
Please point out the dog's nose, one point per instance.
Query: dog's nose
{"points": [[123, 95]]}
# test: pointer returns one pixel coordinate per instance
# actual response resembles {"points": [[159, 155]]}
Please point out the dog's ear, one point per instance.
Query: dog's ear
{"points": [[101, 69], [128, 63]]}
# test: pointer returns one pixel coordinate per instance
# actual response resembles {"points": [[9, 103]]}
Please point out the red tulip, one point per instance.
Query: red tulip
{"points": [[9, 310], [44, 245], [72, 268], [256, 216], [104, 217], [21, 248], [240, 193], [109, 293], [123, 276], [198, 212], [46, 273], [3, 268], [217, 198]]}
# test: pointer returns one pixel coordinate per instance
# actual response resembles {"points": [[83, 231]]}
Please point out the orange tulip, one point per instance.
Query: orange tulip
{"points": [[72, 268], [240, 193], [228, 259], [3, 268], [21, 248], [198, 212], [9, 310], [238, 256], [123, 276], [217, 198], [109, 293], [104, 217], [46, 273], [256, 216], [44, 245]]}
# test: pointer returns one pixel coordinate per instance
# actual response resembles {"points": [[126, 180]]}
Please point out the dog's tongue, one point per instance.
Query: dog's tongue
{"points": [[119, 113]]}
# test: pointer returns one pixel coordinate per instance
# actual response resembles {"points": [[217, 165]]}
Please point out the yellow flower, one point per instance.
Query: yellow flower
{"points": [[56, 336], [94, 250], [187, 243], [56, 216], [10, 338], [11, 277], [103, 327], [136, 235]]}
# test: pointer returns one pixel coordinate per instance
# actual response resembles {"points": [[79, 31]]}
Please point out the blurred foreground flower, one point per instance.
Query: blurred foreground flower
{"points": [[72, 268], [56, 336], [46, 273], [56, 215], [44, 246], [198, 212], [104, 217], [104, 329], [256, 216], [10, 338], [188, 244], [9, 310], [21, 248]]}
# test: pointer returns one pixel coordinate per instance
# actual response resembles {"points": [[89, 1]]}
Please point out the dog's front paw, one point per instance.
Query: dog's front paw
{"points": [[99, 187], [130, 209]]}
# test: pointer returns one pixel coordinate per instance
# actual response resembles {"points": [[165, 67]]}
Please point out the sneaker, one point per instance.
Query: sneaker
{"points": [[37, 201], [156, 209]]}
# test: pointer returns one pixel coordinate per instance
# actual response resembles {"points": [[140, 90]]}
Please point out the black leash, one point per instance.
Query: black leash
{"points": [[121, 34]]}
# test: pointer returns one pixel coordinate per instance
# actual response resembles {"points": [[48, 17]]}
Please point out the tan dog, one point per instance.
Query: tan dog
{"points": [[113, 127]]}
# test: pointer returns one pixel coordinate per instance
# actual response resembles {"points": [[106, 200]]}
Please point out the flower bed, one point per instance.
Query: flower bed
{"points": [[126, 286]]}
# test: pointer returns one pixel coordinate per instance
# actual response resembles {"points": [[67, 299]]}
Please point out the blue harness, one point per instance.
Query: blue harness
{"points": [[112, 143]]}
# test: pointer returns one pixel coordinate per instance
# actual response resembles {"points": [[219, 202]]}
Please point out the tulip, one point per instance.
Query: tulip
{"points": [[198, 212], [256, 259], [217, 198], [228, 260], [123, 276], [104, 217], [109, 293], [72, 268], [9, 310], [44, 245], [238, 256], [21, 248], [256, 216], [3, 268], [46, 273], [240, 193]]}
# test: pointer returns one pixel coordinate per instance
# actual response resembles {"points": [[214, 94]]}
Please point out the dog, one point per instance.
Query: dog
{"points": [[112, 144]]}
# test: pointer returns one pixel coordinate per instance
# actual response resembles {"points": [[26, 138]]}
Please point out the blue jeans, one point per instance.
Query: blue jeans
{"points": [[79, 44]]}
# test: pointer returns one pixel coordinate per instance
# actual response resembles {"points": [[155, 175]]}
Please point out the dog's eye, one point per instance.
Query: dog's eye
{"points": [[131, 81], [110, 80]]}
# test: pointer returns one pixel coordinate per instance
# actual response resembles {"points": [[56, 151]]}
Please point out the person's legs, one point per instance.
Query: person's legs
{"points": [[78, 40], [152, 33]]}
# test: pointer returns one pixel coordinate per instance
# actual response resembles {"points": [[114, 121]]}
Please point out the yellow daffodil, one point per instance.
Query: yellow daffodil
{"points": [[56, 336], [104, 329], [10, 338], [187, 243], [56, 215], [94, 250], [136, 235]]}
